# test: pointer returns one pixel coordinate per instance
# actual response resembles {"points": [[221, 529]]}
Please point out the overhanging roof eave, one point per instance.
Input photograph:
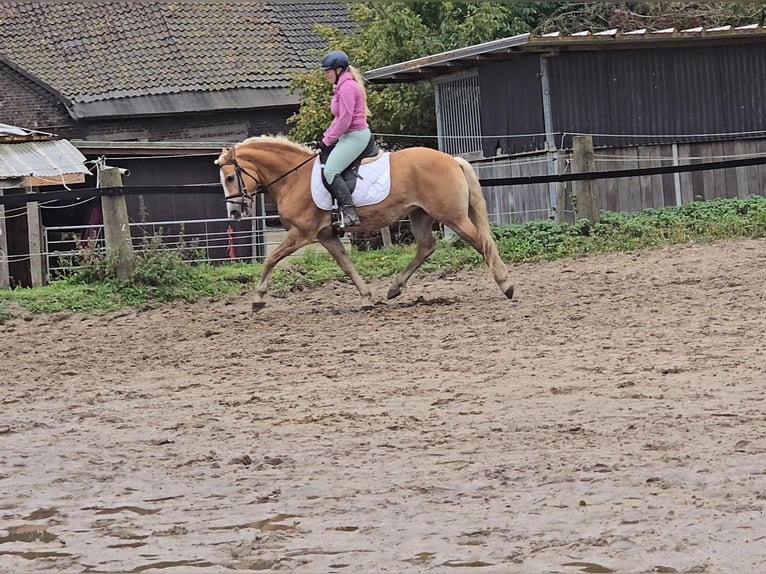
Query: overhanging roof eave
{"points": [[430, 67], [185, 102], [145, 148], [52, 158], [432, 64]]}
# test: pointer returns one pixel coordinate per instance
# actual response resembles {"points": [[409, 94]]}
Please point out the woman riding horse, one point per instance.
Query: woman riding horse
{"points": [[425, 184], [348, 133]]}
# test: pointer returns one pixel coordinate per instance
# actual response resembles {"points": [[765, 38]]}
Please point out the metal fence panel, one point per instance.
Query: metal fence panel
{"points": [[198, 240], [458, 118]]}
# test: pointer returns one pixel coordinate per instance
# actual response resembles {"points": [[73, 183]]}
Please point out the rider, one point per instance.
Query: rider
{"points": [[349, 130]]}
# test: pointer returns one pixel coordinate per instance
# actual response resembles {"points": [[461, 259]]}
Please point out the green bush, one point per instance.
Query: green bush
{"points": [[161, 274]]}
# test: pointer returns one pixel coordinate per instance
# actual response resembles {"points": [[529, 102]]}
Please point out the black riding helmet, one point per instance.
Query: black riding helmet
{"points": [[335, 59]]}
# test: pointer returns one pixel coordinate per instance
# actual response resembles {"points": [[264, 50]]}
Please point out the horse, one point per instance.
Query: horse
{"points": [[426, 184]]}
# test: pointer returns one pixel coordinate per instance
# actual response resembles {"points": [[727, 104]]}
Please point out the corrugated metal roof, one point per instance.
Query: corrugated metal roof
{"points": [[9, 133], [41, 158], [430, 67], [8, 130]]}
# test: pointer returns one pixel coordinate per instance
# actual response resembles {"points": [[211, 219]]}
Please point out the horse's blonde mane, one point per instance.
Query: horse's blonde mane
{"points": [[227, 154], [276, 140]]}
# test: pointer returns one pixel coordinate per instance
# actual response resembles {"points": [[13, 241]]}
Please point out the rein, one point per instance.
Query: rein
{"points": [[259, 188]]}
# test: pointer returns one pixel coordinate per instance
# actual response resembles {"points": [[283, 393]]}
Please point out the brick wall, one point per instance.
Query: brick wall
{"points": [[25, 104], [200, 126]]}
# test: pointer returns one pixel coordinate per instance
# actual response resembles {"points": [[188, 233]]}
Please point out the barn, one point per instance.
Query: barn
{"points": [[648, 98], [157, 87]]}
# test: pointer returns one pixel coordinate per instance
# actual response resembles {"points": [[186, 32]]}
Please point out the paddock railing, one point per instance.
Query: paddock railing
{"points": [[196, 240], [517, 189]]}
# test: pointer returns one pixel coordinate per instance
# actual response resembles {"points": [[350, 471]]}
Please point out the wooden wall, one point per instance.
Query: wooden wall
{"points": [[518, 204]]}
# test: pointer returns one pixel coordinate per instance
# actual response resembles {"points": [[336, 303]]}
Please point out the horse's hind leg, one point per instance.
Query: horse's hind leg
{"points": [[334, 246], [466, 229], [422, 225], [290, 244]]}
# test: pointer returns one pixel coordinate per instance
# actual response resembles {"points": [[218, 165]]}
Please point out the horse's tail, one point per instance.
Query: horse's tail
{"points": [[477, 206], [477, 213]]}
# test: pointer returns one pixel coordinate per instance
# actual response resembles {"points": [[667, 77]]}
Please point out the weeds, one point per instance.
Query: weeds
{"points": [[161, 274]]}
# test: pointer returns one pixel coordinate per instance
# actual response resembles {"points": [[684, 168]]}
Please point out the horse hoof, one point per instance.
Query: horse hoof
{"points": [[367, 307], [258, 305], [509, 292], [394, 293]]}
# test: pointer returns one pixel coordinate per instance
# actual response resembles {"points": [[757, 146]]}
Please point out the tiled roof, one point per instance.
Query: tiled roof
{"points": [[90, 52]]}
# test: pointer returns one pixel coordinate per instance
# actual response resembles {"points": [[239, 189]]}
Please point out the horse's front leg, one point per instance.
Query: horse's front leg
{"points": [[333, 244], [294, 241]]}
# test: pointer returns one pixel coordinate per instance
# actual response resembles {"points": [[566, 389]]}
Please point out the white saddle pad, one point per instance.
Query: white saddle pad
{"points": [[372, 186]]}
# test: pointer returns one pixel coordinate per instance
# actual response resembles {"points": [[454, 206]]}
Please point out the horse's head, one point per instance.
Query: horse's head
{"points": [[235, 187], [257, 165]]}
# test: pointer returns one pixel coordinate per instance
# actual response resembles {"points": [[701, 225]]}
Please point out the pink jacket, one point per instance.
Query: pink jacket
{"points": [[348, 108]]}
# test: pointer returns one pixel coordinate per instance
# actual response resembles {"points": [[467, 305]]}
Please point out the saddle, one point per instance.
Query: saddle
{"points": [[351, 173]]}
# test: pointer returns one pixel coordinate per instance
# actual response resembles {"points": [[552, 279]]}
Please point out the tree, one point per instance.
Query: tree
{"points": [[596, 16], [393, 32]]}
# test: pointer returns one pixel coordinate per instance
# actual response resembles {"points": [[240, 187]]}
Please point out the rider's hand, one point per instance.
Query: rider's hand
{"points": [[324, 151]]}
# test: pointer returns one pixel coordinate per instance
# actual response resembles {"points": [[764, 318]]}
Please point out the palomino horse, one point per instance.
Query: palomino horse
{"points": [[426, 184]]}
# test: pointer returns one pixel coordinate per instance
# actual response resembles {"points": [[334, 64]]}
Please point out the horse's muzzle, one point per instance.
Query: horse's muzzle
{"points": [[236, 210]]}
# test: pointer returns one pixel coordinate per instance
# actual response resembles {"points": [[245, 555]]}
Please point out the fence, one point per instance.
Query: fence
{"points": [[637, 178], [197, 240], [532, 186]]}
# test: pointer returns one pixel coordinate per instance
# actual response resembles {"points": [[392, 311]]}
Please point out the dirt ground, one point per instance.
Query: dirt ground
{"points": [[610, 419]]}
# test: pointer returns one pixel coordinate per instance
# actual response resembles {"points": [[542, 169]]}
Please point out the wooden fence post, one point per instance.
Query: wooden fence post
{"points": [[34, 234], [563, 198], [5, 273], [385, 233], [585, 194], [119, 243]]}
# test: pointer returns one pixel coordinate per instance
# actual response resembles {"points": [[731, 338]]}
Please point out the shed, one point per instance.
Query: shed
{"points": [[529, 94], [117, 71], [30, 159]]}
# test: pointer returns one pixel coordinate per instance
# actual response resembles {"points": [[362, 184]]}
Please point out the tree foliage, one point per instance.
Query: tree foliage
{"points": [[394, 32], [596, 16]]}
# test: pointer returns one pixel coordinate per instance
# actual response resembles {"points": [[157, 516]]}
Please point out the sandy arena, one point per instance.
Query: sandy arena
{"points": [[610, 419]]}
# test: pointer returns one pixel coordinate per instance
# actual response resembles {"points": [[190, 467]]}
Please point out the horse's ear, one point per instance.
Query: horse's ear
{"points": [[224, 152]]}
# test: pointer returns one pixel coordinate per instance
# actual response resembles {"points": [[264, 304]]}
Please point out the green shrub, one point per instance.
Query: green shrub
{"points": [[161, 274]]}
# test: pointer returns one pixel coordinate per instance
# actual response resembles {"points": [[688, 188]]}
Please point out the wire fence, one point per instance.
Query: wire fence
{"points": [[196, 240], [511, 199]]}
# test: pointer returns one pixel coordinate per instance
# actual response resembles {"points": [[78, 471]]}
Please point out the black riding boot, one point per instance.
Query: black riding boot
{"points": [[343, 194]]}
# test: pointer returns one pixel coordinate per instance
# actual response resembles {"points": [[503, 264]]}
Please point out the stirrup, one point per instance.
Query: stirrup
{"points": [[338, 222], [346, 221], [340, 219]]}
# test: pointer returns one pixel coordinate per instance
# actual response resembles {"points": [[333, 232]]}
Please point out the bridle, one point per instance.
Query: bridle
{"points": [[239, 172]]}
